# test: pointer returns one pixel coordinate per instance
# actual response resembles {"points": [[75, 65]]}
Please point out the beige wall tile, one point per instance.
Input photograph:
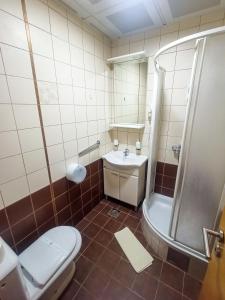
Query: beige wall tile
{"points": [[14, 190], [9, 144], [16, 57], [30, 139], [4, 93], [12, 31]]}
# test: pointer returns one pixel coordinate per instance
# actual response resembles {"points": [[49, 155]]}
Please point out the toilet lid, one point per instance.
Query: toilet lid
{"points": [[43, 258]]}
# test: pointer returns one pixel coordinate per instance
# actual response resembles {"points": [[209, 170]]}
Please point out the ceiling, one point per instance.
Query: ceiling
{"points": [[118, 18]]}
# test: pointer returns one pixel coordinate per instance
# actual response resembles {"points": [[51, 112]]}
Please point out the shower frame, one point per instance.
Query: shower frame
{"points": [[196, 71]]}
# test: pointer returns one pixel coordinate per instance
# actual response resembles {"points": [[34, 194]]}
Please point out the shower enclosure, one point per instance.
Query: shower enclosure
{"points": [[199, 190]]}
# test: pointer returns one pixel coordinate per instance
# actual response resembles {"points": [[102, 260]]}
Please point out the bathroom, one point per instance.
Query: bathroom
{"points": [[112, 119]]}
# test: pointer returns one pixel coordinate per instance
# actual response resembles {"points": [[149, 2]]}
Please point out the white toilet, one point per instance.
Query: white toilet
{"points": [[43, 270]]}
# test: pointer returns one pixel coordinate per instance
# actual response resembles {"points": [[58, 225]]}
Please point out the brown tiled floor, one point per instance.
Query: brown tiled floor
{"points": [[104, 273]]}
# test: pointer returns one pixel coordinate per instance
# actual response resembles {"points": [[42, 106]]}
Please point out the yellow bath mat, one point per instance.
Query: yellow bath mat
{"points": [[138, 256]]}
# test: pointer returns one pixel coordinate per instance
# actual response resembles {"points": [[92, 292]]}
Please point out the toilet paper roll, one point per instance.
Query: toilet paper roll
{"points": [[76, 173]]}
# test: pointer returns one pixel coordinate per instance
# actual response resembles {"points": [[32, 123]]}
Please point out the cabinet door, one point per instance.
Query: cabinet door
{"points": [[111, 183], [129, 189]]}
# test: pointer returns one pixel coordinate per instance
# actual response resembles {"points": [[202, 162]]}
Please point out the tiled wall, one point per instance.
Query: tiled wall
{"points": [[165, 178], [74, 89], [177, 63], [23, 221]]}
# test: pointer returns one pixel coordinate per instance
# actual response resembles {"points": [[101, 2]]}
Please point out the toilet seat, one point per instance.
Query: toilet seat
{"points": [[45, 256]]}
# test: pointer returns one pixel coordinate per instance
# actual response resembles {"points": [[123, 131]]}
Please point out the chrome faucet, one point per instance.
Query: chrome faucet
{"points": [[126, 152]]}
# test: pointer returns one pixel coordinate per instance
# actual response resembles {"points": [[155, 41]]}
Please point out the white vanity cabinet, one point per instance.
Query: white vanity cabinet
{"points": [[127, 185]]}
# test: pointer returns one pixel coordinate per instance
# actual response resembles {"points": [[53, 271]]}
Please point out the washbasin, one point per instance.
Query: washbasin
{"points": [[118, 159]]}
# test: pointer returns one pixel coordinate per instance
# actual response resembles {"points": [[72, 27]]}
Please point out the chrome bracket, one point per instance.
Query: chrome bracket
{"points": [[218, 234]]}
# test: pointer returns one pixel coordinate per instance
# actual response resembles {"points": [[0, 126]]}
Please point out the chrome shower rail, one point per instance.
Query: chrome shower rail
{"points": [[89, 149]]}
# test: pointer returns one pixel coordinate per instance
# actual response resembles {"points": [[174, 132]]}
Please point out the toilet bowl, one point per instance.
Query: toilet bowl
{"points": [[41, 271]]}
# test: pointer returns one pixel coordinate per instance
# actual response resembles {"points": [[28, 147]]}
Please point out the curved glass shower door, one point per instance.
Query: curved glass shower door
{"points": [[202, 165]]}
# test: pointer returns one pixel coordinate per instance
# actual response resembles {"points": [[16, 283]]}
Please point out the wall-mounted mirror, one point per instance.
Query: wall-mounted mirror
{"points": [[129, 92]]}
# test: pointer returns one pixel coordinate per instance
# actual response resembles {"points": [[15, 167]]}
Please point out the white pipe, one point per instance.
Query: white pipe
{"points": [[188, 38], [155, 109]]}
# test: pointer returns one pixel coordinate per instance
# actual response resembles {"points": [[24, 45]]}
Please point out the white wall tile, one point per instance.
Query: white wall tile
{"points": [[166, 97], [69, 132], [4, 93], [75, 35], [184, 59], [58, 170], [91, 113], [13, 7], [212, 16], [170, 158], [182, 79], [70, 149], [67, 114], [175, 129], [61, 50], [89, 62], [21, 90], [88, 41], [79, 96], [168, 81], [48, 92], [40, 37], [65, 94], [2, 70], [58, 25], [63, 73], [7, 118], [38, 180], [80, 113], [26, 116], [16, 57], [179, 97], [38, 14], [81, 129], [34, 160], [56, 153], [82, 144], [9, 144], [168, 38], [11, 168], [12, 31], [14, 190], [92, 127], [45, 69], [77, 57], [177, 113], [167, 61], [53, 135], [30, 139], [50, 114], [78, 77]]}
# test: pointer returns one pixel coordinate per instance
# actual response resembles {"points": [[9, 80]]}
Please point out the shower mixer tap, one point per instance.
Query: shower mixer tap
{"points": [[176, 150]]}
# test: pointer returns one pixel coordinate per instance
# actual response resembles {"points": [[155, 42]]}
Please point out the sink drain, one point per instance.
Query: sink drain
{"points": [[114, 213]]}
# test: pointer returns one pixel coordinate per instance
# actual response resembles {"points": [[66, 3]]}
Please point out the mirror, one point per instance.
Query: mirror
{"points": [[129, 92]]}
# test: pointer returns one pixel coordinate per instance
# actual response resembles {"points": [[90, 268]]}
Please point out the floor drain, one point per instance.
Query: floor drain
{"points": [[114, 213]]}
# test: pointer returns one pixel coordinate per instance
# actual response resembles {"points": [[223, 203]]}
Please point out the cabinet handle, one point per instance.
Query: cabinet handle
{"points": [[114, 173]]}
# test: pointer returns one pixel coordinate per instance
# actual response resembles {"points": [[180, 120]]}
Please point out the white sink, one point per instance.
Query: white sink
{"points": [[118, 159]]}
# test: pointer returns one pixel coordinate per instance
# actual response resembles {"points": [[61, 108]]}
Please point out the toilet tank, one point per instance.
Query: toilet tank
{"points": [[11, 279]]}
